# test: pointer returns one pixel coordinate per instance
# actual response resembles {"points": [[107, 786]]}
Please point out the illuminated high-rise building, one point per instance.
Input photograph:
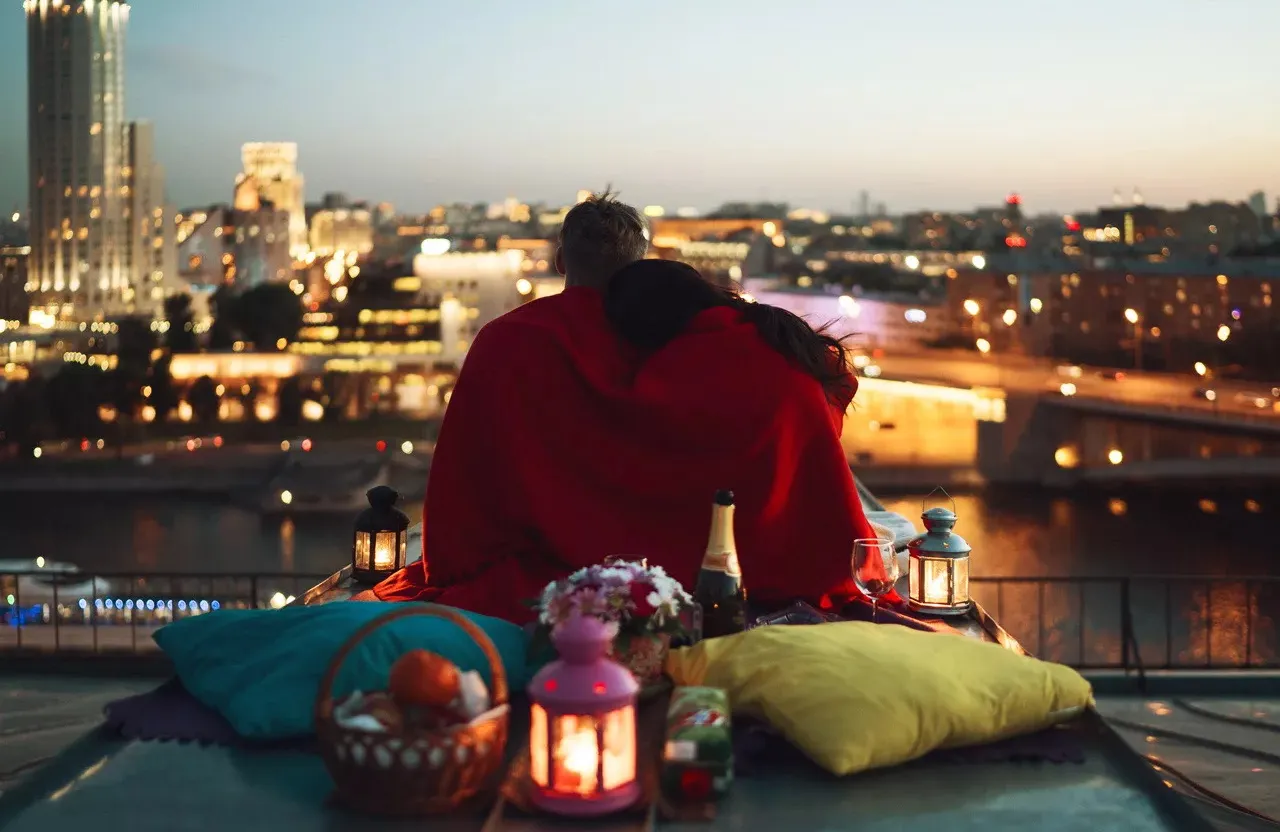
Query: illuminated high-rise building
{"points": [[79, 265], [153, 251], [271, 175]]}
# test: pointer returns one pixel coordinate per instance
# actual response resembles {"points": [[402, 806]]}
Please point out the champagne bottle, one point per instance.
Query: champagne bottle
{"points": [[719, 591]]}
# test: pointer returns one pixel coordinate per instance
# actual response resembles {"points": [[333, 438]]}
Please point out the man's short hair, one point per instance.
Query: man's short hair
{"points": [[601, 235]]}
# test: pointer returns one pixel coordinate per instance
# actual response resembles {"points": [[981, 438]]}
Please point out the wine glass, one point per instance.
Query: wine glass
{"points": [[875, 569]]}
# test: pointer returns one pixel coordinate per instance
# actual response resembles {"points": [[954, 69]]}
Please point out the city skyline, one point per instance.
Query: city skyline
{"points": [[940, 106]]}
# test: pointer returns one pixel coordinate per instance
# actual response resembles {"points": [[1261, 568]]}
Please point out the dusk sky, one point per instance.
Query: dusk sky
{"points": [[923, 103]]}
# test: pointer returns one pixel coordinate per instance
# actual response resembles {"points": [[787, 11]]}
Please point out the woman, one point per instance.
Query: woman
{"points": [[610, 422], [651, 302]]}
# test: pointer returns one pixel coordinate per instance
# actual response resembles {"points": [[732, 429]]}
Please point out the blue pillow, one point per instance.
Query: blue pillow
{"points": [[261, 668]]}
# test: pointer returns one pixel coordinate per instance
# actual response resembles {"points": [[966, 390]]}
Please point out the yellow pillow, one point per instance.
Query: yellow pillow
{"points": [[856, 696]]}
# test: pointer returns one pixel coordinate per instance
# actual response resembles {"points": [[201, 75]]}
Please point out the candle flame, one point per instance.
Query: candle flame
{"points": [[936, 586], [579, 753]]}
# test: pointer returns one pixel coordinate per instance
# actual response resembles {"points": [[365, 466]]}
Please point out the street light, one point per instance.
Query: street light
{"points": [[1131, 315], [971, 306], [983, 345], [1010, 317], [1200, 368], [1224, 332]]}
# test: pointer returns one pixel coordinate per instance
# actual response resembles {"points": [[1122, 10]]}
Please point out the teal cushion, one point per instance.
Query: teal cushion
{"points": [[261, 668]]}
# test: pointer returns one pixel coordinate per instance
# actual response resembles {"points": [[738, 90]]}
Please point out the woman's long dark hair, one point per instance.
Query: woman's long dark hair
{"points": [[650, 302]]}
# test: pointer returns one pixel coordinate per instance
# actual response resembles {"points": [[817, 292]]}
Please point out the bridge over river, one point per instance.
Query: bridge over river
{"points": [[1008, 420]]}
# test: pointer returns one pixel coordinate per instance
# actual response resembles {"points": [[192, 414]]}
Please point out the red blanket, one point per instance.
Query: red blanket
{"points": [[562, 447]]}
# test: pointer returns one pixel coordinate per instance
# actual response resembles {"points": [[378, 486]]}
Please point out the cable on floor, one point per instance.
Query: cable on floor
{"points": [[25, 767], [1243, 721], [1191, 739], [1209, 794]]}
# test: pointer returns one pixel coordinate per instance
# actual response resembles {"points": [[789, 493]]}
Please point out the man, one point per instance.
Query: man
{"points": [[599, 236], [461, 519], [563, 445]]}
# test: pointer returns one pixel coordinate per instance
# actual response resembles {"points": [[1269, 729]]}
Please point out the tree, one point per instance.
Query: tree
{"points": [[204, 400], [164, 398], [334, 396], [22, 416], [264, 314], [289, 403], [225, 307], [181, 336], [135, 342], [269, 312], [72, 398]]}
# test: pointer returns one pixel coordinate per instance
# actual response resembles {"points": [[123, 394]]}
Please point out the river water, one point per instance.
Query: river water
{"points": [[1013, 533], [1018, 533]]}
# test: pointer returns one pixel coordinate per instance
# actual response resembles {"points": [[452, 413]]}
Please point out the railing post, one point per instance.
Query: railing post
{"points": [[133, 615], [57, 628], [1080, 615], [1248, 624], [1041, 653], [1208, 624], [17, 604], [1126, 624], [93, 611]]}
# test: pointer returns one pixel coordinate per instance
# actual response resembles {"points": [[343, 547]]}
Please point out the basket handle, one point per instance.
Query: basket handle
{"points": [[324, 696]]}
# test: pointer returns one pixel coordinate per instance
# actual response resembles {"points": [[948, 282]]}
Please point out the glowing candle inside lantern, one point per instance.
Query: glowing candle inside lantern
{"points": [[937, 582], [384, 551], [577, 763]]}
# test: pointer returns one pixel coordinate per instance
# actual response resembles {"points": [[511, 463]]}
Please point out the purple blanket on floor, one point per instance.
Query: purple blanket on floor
{"points": [[170, 713]]}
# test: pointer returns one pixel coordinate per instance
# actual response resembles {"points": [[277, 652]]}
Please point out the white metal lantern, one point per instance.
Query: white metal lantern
{"points": [[939, 567]]}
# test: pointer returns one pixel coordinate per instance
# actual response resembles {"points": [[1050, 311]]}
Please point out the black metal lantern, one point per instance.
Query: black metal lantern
{"points": [[381, 537]]}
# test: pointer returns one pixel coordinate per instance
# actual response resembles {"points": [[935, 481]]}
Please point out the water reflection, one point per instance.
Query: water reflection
{"points": [[173, 535], [286, 544], [1217, 619], [148, 539], [1027, 532]]}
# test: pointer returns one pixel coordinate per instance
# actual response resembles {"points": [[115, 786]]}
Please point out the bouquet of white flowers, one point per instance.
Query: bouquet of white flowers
{"points": [[639, 598]]}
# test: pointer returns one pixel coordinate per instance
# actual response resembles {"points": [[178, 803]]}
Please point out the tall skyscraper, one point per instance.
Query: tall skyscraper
{"points": [[78, 157], [271, 175], [153, 252]]}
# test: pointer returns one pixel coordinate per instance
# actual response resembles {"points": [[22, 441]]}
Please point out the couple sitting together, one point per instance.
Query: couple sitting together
{"points": [[601, 421]]}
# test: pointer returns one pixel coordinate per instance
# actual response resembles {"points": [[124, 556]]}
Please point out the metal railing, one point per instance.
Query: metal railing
{"points": [[1133, 623], [1143, 622], [52, 611]]}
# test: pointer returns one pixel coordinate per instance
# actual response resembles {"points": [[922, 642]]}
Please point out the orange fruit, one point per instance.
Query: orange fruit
{"points": [[423, 679]]}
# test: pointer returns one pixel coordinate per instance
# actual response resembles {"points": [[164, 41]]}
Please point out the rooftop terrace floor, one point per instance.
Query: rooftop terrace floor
{"points": [[42, 715], [168, 786], [1202, 743]]}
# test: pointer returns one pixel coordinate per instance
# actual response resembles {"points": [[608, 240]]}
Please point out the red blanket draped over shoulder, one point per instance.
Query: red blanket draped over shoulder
{"points": [[561, 447]]}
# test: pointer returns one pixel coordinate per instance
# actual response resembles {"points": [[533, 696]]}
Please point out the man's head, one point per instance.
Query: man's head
{"points": [[599, 236]]}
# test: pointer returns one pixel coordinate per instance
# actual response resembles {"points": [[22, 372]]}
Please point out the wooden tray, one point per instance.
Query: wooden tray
{"points": [[515, 812]]}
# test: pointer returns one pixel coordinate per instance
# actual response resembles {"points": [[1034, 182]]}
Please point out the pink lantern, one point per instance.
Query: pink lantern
{"points": [[582, 731]]}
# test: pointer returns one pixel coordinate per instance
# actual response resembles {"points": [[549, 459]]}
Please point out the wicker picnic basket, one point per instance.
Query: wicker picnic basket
{"points": [[416, 771]]}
